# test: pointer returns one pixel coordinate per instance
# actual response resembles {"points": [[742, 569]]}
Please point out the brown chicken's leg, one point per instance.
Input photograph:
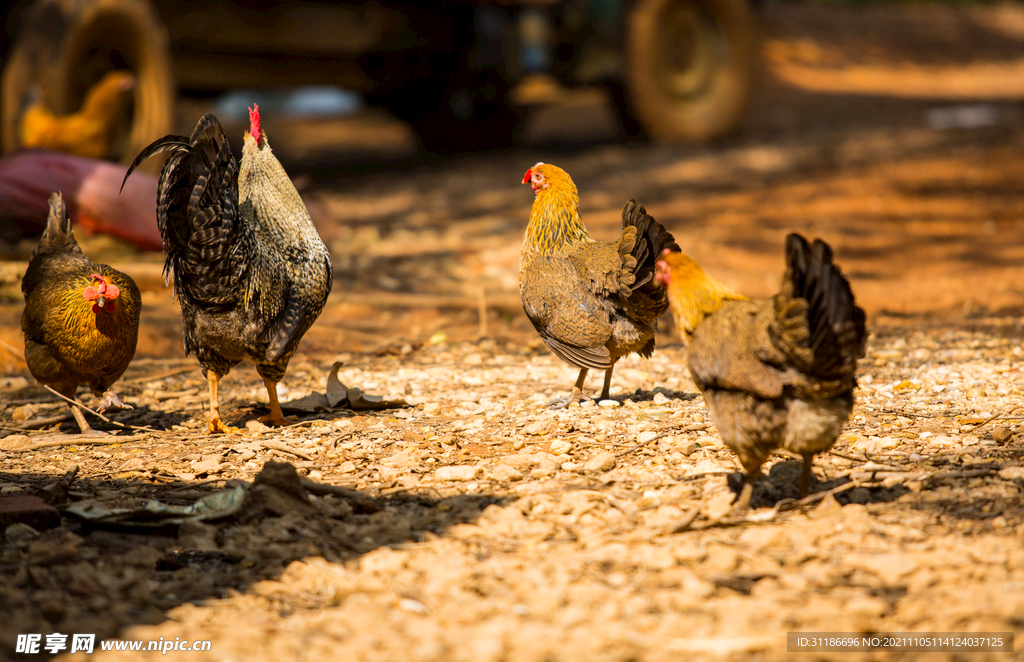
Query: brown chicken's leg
{"points": [[216, 425], [576, 395], [276, 417], [805, 475]]}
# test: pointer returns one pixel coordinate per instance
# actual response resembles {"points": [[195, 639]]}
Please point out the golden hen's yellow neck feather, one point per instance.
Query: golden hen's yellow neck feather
{"points": [[692, 293], [555, 223]]}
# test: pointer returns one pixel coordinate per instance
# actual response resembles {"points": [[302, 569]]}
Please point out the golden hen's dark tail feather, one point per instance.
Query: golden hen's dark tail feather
{"points": [[58, 236], [651, 239], [837, 325]]}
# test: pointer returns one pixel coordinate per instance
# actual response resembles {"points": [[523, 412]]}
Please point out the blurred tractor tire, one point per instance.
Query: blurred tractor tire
{"points": [[66, 46], [689, 67]]}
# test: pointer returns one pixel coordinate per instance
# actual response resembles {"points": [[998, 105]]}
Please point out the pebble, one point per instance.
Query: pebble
{"points": [[608, 403], [560, 446], [603, 461], [503, 472], [536, 429], [459, 472]]}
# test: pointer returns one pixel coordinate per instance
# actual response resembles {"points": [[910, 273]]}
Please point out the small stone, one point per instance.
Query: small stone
{"points": [[505, 473], [659, 398], [255, 427], [560, 446], [570, 466], [431, 409], [603, 461], [1012, 473], [22, 413], [535, 429], [461, 472], [18, 534], [518, 444], [608, 403], [27, 509], [646, 436]]}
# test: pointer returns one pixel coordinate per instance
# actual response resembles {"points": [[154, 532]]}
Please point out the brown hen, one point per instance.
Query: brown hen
{"points": [[776, 373], [81, 320], [592, 302]]}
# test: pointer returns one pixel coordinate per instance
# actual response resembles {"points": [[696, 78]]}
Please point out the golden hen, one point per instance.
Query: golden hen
{"points": [[90, 132], [592, 302], [81, 320], [776, 373]]}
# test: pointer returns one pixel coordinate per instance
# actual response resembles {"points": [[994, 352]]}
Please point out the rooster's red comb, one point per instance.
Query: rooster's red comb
{"points": [[254, 123]]}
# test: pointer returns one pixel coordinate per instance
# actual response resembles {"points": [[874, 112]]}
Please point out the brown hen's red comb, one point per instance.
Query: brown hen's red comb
{"points": [[254, 123]]}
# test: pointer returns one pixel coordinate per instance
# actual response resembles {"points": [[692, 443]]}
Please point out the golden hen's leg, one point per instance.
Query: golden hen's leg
{"points": [[216, 425], [276, 417], [575, 396], [805, 475]]}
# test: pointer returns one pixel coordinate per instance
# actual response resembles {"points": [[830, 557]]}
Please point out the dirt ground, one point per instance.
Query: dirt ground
{"points": [[473, 524]]}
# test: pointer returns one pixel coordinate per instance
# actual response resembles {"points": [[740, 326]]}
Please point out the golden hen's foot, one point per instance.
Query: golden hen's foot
{"points": [[112, 401], [277, 421], [217, 426], [576, 396]]}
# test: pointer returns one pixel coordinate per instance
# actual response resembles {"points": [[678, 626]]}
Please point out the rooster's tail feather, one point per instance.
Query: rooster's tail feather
{"points": [[835, 323]]}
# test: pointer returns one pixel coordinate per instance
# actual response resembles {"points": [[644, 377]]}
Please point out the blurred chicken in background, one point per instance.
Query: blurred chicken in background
{"points": [[91, 131]]}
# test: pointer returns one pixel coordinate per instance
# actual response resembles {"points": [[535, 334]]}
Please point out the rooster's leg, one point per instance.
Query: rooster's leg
{"points": [[216, 425], [576, 395], [605, 392], [805, 475], [276, 417]]}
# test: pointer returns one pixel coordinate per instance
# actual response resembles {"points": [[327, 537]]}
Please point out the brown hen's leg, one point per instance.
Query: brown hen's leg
{"points": [[216, 425], [112, 401], [83, 424], [276, 417], [805, 475], [575, 396], [743, 502], [605, 392]]}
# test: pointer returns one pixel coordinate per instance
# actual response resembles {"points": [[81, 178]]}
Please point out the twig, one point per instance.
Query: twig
{"points": [[96, 413], [994, 417], [816, 497], [68, 440], [37, 423], [694, 427], [285, 448], [161, 375]]}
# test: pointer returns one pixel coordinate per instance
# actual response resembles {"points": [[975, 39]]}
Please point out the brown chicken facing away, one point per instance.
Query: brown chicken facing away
{"points": [[251, 274], [91, 131], [81, 320], [775, 373], [592, 302]]}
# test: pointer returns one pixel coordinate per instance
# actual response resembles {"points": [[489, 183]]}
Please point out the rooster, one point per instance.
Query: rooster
{"points": [[776, 373], [251, 274], [592, 302], [81, 320], [91, 131]]}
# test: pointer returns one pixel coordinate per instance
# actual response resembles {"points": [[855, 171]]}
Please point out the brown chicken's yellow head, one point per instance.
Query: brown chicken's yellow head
{"points": [[544, 176], [103, 293], [692, 294]]}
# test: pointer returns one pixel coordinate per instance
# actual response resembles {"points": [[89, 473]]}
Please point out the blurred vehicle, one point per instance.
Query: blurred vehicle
{"points": [[676, 69]]}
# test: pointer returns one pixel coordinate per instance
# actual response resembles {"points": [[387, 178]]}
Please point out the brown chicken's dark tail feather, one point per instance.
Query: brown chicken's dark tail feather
{"points": [[58, 236], [837, 325]]}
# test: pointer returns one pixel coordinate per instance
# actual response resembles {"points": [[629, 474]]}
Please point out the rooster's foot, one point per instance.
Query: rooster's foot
{"points": [[576, 396], [217, 427], [111, 401], [278, 421]]}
